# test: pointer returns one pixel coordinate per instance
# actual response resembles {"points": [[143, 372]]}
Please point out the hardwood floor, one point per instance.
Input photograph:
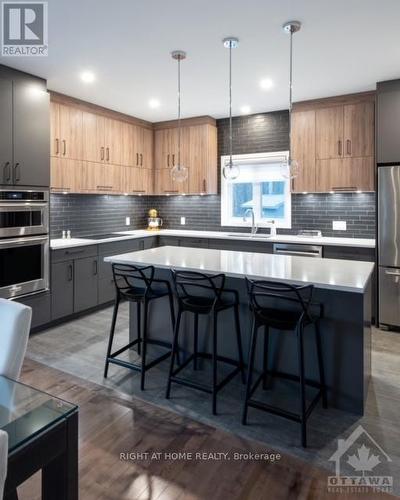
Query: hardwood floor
{"points": [[112, 424]]}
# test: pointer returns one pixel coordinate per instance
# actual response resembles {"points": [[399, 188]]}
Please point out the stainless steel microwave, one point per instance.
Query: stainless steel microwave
{"points": [[23, 212]]}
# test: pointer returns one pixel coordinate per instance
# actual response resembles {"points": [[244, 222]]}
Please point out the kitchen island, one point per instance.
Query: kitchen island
{"points": [[343, 287]]}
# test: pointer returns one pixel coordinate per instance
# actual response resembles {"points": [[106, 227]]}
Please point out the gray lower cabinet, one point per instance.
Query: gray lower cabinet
{"points": [[40, 304], [193, 242], [168, 241], [85, 283], [149, 242], [62, 289], [241, 246]]}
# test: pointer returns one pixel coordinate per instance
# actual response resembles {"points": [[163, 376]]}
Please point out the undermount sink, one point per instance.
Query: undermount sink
{"points": [[250, 236]]}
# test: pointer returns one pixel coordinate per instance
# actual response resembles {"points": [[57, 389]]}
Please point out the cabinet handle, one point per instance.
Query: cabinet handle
{"points": [[57, 146], [348, 147], [141, 160], [64, 147], [70, 272], [168, 160], [344, 188], [171, 191], [339, 147], [95, 267], [17, 172], [173, 160], [137, 159], [102, 153], [7, 171], [204, 186], [292, 184], [74, 252], [108, 154]]}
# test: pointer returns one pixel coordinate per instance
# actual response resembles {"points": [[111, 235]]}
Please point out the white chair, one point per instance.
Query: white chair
{"points": [[15, 324], [3, 460]]}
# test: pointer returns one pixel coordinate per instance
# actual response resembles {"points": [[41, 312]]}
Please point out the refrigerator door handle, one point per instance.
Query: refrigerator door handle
{"points": [[392, 273]]}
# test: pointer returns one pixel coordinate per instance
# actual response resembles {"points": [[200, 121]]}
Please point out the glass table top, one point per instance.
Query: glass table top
{"points": [[25, 411]]}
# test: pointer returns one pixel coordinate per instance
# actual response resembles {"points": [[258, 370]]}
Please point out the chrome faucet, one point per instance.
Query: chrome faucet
{"points": [[253, 222]]}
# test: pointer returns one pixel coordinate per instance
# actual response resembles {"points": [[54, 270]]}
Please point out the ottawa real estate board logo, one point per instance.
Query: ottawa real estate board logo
{"points": [[361, 465], [24, 29]]}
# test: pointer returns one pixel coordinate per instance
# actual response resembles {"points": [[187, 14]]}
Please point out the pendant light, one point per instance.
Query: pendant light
{"points": [[291, 166], [230, 171], [179, 172]]}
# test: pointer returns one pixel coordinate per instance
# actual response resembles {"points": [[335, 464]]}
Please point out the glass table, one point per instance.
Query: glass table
{"points": [[42, 434]]}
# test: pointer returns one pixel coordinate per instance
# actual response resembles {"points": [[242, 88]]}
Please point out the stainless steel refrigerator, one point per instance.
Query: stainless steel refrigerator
{"points": [[389, 244]]}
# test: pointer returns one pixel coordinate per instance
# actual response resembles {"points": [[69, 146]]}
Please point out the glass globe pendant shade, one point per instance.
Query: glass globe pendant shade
{"points": [[231, 171], [290, 169], [179, 173]]}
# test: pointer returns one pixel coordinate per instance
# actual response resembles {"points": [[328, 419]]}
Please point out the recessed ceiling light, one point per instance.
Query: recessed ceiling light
{"points": [[154, 103], [266, 83], [245, 110], [88, 77]]}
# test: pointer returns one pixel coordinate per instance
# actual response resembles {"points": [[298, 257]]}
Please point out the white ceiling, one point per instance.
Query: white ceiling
{"points": [[344, 46]]}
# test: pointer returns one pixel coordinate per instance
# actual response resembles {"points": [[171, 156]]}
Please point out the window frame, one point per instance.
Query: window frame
{"points": [[227, 198]]}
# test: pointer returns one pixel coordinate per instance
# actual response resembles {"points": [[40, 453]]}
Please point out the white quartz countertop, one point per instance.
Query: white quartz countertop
{"points": [[142, 233], [342, 275]]}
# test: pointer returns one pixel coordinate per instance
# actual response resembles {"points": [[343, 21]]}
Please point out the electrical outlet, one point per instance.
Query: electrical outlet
{"points": [[339, 225], [127, 221], [183, 221]]}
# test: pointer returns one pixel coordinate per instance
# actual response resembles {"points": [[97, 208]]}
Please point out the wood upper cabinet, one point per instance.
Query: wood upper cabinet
{"points": [[128, 132], [303, 150], [136, 180], [136, 146], [333, 140], [345, 131], [329, 133], [100, 178], [202, 159], [65, 131], [164, 184], [93, 130], [198, 154], [348, 174], [112, 141], [359, 134], [147, 136], [165, 148], [64, 174], [102, 141]]}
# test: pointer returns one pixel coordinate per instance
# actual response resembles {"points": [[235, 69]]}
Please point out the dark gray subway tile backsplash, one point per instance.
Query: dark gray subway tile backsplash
{"points": [[91, 214]]}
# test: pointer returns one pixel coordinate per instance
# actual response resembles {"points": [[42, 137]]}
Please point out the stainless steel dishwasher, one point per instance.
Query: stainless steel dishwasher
{"points": [[298, 249]]}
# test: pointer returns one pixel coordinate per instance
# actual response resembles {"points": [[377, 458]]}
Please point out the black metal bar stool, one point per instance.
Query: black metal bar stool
{"points": [[137, 284], [200, 294], [286, 308]]}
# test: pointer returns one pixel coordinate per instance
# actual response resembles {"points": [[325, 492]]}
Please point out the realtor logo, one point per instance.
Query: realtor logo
{"points": [[361, 465], [24, 27]]}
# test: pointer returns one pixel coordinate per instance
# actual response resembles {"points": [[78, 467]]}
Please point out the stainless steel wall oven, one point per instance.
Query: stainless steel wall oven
{"points": [[24, 242]]}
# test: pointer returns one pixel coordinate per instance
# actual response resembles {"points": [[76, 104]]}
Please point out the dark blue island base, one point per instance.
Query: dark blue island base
{"points": [[345, 331]]}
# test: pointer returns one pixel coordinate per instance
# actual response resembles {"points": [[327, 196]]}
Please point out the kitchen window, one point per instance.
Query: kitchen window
{"points": [[262, 186]]}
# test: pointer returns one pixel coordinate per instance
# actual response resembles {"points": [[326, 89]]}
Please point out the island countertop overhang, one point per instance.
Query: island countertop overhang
{"points": [[333, 274]]}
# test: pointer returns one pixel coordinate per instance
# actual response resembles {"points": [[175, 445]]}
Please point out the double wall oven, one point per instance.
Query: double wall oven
{"points": [[24, 242]]}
